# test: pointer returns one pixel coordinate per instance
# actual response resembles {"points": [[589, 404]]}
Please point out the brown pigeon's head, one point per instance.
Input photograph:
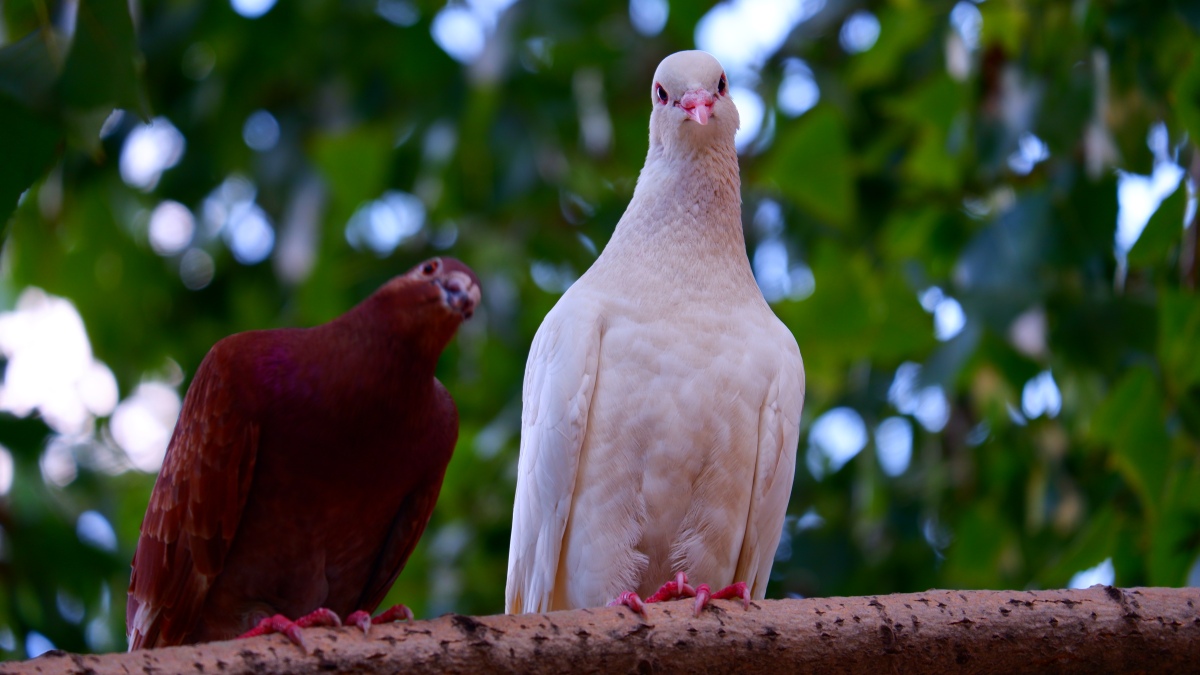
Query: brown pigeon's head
{"points": [[691, 101], [428, 302], [441, 286]]}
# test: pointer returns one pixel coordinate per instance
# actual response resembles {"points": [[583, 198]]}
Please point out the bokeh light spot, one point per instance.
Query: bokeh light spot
{"points": [[171, 228], [894, 445], [252, 9], [1104, 574], [143, 422], [149, 150], [196, 269], [750, 111], [261, 131], [649, 17], [459, 32], [93, 529], [836, 437], [37, 644], [7, 469], [798, 91], [50, 367], [385, 223], [859, 32], [741, 34], [398, 12]]}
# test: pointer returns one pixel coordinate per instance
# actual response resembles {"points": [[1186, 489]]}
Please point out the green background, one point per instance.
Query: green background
{"points": [[896, 181]]}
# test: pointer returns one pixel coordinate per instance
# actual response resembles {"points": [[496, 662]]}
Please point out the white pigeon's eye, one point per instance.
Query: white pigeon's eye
{"points": [[662, 94], [721, 84], [430, 267]]}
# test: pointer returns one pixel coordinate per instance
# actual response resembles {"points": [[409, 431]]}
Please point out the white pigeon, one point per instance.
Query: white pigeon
{"points": [[662, 397]]}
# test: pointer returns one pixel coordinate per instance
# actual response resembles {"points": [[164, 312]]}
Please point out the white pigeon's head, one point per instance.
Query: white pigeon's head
{"points": [[691, 101]]}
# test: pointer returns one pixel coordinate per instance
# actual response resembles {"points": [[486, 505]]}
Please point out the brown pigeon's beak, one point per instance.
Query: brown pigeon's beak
{"points": [[697, 103], [460, 292]]}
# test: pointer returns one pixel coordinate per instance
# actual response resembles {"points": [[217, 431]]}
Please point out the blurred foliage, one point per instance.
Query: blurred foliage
{"points": [[898, 180]]}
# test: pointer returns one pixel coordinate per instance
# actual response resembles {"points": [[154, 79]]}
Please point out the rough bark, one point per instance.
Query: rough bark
{"points": [[1100, 629]]}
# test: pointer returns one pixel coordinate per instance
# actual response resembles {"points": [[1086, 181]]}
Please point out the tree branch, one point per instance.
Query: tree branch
{"points": [[1100, 629]]}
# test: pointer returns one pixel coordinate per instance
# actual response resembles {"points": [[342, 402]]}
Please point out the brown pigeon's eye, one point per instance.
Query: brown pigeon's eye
{"points": [[721, 84], [429, 267], [662, 94]]}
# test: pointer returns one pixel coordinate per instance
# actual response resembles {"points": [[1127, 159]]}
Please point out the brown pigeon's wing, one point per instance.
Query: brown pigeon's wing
{"points": [[406, 531], [414, 513], [195, 507]]}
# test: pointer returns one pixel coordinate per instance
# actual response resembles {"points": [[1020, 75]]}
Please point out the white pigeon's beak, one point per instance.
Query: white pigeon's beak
{"points": [[697, 103]]}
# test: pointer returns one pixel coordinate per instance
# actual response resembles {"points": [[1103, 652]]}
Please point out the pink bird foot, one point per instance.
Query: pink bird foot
{"points": [[679, 588], [736, 590], [676, 588], [364, 621], [293, 629]]}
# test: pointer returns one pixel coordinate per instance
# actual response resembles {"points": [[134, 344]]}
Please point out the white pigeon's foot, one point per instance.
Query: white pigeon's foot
{"points": [[672, 590], [735, 590], [631, 600]]}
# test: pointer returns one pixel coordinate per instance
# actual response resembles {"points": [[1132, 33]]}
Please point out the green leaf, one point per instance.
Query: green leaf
{"points": [[103, 67], [1095, 542], [30, 144], [30, 66], [1187, 97], [1175, 540], [811, 166], [1004, 23], [976, 558], [354, 163], [1131, 421], [1164, 230], [28, 134], [1178, 337], [900, 32], [1173, 547]]}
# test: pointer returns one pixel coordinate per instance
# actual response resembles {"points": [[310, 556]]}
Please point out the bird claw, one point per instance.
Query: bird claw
{"points": [[678, 588], [364, 621], [293, 630], [319, 617], [735, 590], [630, 600], [361, 619], [394, 613], [703, 595]]}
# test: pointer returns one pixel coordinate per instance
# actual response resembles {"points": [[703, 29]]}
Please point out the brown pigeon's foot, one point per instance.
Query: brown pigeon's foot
{"points": [[292, 629], [737, 590], [676, 588], [364, 621]]}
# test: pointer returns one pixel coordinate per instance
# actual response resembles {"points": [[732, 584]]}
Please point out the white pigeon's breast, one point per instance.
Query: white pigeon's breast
{"points": [[668, 462]]}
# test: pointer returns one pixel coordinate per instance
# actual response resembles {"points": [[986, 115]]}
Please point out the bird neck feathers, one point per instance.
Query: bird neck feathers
{"points": [[686, 208], [392, 336]]}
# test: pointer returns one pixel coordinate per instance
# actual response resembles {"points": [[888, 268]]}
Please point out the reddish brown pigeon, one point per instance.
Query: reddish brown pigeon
{"points": [[303, 469], [662, 397]]}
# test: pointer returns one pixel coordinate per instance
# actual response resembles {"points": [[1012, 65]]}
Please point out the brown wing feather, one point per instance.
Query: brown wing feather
{"points": [[413, 516], [195, 506]]}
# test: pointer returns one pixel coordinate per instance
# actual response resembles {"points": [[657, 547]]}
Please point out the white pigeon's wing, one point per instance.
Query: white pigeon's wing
{"points": [[775, 468], [560, 377]]}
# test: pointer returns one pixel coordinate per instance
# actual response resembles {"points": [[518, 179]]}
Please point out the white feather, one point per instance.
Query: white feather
{"points": [[662, 396]]}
